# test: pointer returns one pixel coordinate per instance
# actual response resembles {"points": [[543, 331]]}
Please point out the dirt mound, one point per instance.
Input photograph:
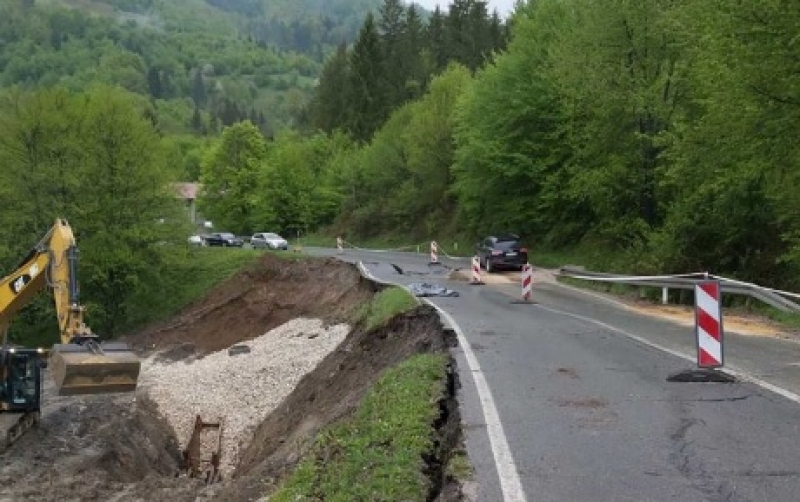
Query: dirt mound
{"points": [[88, 449], [120, 448], [265, 295]]}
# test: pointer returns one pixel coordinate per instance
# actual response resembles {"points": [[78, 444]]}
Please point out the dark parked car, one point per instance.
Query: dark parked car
{"points": [[497, 252], [223, 239]]}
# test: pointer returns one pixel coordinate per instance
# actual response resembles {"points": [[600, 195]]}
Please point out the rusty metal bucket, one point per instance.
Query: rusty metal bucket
{"points": [[94, 369], [204, 451]]}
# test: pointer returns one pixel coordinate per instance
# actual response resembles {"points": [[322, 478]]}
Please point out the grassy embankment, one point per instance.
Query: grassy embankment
{"points": [[377, 454]]}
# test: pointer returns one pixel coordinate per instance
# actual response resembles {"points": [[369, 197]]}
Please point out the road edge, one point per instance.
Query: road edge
{"points": [[510, 483]]}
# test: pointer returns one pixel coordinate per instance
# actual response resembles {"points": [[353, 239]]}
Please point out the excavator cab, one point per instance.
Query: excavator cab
{"points": [[91, 368], [20, 379]]}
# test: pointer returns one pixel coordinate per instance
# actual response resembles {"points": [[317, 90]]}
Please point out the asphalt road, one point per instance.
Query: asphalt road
{"points": [[587, 411]]}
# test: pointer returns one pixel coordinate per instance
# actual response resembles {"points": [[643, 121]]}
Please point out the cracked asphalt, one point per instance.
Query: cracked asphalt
{"points": [[589, 414]]}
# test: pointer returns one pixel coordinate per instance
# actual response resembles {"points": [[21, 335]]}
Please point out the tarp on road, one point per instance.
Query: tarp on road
{"points": [[427, 289]]}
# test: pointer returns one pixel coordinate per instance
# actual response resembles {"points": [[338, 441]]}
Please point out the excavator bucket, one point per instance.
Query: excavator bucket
{"points": [[83, 369]]}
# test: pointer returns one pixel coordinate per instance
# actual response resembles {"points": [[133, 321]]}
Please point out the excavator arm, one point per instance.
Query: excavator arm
{"points": [[81, 364]]}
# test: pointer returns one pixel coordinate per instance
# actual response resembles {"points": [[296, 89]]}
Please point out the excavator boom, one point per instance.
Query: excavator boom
{"points": [[81, 364]]}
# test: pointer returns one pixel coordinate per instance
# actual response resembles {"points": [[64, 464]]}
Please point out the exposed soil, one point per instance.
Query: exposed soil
{"points": [[256, 300], [119, 448]]}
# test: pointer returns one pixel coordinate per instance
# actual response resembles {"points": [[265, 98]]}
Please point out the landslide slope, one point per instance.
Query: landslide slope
{"points": [[122, 448]]}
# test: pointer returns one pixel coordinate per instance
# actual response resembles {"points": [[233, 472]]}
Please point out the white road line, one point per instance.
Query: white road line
{"points": [[731, 370], [510, 484]]}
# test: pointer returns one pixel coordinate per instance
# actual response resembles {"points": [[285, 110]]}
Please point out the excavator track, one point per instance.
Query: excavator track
{"points": [[13, 425]]}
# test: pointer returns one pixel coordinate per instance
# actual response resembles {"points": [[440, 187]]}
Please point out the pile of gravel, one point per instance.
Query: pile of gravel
{"points": [[242, 387]]}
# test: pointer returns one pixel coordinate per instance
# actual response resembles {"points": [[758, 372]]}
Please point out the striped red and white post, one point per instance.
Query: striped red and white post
{"points": [[434, 252], [476, 271], [340, 245], [708, 324], [527, 282]]}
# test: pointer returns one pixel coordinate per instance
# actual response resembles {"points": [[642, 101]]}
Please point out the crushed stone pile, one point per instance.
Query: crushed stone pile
{"points": [[242, 388]]}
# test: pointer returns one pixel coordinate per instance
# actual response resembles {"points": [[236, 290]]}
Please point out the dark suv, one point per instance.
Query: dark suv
{"points": [[496, 252]]}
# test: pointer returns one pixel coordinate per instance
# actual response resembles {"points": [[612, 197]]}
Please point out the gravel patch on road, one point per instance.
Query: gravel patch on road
{"points": [[242, 389]]}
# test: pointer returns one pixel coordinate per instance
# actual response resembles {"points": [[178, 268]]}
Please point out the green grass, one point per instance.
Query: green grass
{"points": [[788, 319], [377, 454], [460, 466], [291, 255], [386, 304]]}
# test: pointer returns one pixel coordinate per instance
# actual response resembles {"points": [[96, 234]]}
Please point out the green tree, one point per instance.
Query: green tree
{"points": [[367, 76], [127, 209], [229, 174], [511, 152], [95, 160]]}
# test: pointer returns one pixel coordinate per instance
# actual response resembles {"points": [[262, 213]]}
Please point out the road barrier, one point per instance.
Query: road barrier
{"points": [[708, 324], [434, 253], [476, 271], [527, 282]]}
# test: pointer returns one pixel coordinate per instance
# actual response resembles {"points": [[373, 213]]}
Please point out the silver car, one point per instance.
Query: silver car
{"points": [[268, 241]]}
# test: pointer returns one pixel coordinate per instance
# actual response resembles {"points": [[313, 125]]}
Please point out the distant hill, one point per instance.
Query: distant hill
{"points": [[203, 63]]}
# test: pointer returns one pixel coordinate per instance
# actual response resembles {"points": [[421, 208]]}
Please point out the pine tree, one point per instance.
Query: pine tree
{"points": [[392, 28], [367, 81], [199, 95], [435, 38], [329, 108]]}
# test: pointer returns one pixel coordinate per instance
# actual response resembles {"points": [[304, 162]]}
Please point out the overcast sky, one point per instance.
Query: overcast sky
{"points": [[504, 7]]}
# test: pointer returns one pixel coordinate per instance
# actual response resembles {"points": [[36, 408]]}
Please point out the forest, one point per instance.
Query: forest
{"points": [[643, 137], [647, 137]]}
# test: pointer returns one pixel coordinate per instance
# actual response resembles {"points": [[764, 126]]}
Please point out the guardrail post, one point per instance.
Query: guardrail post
{"points": [[664, 296]]}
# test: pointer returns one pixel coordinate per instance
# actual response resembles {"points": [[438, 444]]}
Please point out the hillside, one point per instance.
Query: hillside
{"points": [[203, 64]]}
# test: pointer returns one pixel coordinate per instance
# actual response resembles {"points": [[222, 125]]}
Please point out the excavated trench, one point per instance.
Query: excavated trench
{"points": [[308, 363]]}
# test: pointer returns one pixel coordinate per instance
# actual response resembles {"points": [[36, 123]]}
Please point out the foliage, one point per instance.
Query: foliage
{"points": [[377, 454], [656, 136], [229, 174], [189, 56], [394, 59], [96, 160]]}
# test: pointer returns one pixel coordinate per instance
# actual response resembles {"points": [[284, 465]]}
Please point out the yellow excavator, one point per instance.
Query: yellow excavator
{"points": [[80, 364]]}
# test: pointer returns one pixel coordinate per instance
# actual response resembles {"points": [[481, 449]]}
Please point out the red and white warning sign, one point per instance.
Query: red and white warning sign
{"points": [[476, 271], [434, 252], [527, 282], [708, 324]]}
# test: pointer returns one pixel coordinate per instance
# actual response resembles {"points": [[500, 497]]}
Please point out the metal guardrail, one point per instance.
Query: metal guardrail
{"points": [[775, 298]]}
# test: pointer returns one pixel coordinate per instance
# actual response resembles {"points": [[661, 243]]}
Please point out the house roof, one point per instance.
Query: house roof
{"points": [[187, 190]]}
